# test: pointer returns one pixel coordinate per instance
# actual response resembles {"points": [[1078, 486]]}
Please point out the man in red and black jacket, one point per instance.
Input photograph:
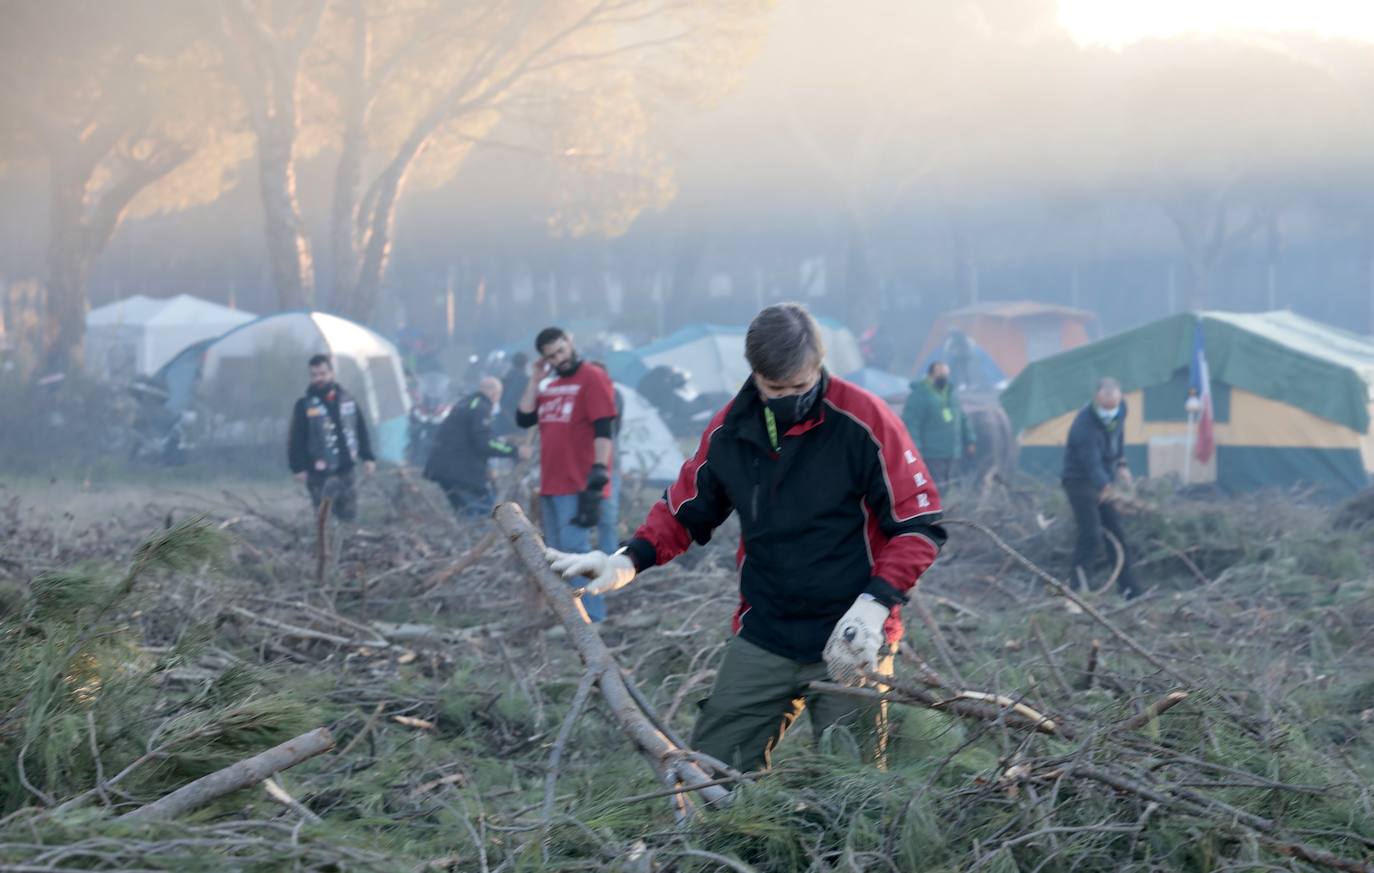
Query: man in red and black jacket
{"points": [[838, 520]]}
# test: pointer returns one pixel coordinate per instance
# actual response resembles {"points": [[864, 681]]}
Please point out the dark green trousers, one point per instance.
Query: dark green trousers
{"points": [[757, 696]]}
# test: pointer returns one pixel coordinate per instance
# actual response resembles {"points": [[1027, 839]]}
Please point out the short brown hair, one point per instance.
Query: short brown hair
{"points": [[781, 340]]}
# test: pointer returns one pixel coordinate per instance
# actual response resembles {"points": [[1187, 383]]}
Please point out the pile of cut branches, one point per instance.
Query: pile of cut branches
{"points": [[1222, 721]]}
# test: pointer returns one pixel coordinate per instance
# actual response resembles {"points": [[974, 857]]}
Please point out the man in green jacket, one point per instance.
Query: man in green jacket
{"points": [[937, 423]]}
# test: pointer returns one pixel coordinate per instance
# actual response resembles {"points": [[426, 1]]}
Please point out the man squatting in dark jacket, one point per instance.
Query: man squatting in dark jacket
{"points": [[1094, 458], [328, 438], [458, 461], [838, 518]]}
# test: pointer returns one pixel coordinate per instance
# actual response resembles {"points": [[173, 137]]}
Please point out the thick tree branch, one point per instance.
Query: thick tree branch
{"points": [[675, 765]]}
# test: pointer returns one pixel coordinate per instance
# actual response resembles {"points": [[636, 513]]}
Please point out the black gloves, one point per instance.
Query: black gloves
{"points": [[588, 508], [589, 500], [598, 477]]}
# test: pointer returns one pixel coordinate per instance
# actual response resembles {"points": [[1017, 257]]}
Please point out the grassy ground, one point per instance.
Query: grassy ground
{"points": [[222, 637]]}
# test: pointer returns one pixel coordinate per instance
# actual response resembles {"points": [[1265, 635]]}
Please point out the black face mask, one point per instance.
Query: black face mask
{"points": [[791, 409], [940, 382]]}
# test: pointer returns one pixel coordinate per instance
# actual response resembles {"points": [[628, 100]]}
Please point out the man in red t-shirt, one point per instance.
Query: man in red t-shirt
{"points": [[575, 412]]}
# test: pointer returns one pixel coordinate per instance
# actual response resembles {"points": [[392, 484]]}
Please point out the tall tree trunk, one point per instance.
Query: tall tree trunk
{"points": [[380, 216], [80, 227], [348, 175], [1200, 286], [69, 267], [288, 249], [268, 65]]}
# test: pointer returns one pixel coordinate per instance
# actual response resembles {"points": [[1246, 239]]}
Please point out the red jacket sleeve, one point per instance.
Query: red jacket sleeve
{"points": [[691, 509], [904, 510]]}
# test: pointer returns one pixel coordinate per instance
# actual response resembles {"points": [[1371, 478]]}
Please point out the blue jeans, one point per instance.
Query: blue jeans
{"points": [[608, 531], [556, 512]]}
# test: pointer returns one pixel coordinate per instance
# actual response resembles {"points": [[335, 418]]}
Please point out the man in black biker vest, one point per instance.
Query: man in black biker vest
{"points": [[328, 439]]}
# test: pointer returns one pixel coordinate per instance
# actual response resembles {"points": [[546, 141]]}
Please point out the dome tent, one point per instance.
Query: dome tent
{"points": [[250, 377], [1010, 334], [713, 355], [1292, 401], [138, 335], [645, 446]]}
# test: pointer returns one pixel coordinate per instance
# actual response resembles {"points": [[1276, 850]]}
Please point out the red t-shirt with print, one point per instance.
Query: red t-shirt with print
{"points": [[567, 406]]}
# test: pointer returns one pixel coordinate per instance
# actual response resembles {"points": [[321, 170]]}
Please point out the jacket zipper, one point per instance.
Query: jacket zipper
{"points": [[754, 498]]}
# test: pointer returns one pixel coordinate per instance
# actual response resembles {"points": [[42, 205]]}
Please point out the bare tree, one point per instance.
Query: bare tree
{"points": [[419, 84], [116, 102], [265, 46], [1217, 134], [1210, 225]]}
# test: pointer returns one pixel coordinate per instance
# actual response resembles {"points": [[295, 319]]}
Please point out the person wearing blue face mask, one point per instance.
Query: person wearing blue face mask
{"points": [[839, 517], [1095, 459]]}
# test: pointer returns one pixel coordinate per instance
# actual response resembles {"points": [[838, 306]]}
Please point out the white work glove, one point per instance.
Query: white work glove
{"points": [[854, 643], [606, 572]]}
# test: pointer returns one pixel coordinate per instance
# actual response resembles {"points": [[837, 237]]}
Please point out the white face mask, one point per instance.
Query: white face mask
{"points": [[1105, 415]]}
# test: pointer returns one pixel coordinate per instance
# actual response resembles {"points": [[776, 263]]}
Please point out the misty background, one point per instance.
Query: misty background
{"points": [[672, 162]]}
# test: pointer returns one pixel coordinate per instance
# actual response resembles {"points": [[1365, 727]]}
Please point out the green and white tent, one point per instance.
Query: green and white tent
{"points": [[1291, 400]]}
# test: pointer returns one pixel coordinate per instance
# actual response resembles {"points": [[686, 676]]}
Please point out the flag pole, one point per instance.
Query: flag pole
{"points": [[1193, 406]]}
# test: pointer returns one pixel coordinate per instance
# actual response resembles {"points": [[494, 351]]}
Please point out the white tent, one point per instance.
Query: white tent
{"points": [[646, 447], [137, 335], [714, 354], [252, 375], [842, 352]]}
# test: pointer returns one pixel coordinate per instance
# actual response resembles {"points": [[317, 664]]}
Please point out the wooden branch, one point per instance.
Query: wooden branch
{"points": [[1073, 597], [1051, 664], [1153, 711], [366, 729], [1222, 814], [234, 777], [321, 540], [672, 762], [579, 701], [937, 636], [979, 705], [282, 796], [465, 560], [303, 632], [1090, 674]]}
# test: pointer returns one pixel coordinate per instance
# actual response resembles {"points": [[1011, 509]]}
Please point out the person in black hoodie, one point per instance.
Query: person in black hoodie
{"points": [[838, 520], [458, 461], [328, 439], [1094, 460]]}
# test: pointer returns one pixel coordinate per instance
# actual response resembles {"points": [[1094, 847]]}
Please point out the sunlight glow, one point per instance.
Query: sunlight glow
{"points": [[1120, 22]]}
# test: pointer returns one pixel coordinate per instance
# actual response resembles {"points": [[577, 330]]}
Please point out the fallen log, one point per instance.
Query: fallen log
{"points": [[674, 764], [243, 774]]}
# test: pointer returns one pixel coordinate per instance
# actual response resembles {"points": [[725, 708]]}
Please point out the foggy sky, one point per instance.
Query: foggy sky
{"points": [[921, 121]]}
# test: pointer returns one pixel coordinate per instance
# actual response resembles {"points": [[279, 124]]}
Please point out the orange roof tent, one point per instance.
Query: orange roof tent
{"points": [[1014, 333]]}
